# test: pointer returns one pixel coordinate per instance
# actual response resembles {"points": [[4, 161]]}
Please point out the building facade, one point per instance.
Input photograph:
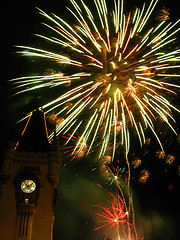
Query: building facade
{"points": [[29, 176]]}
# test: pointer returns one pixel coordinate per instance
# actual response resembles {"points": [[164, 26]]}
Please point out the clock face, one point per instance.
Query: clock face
{"points": [[28, 186]]}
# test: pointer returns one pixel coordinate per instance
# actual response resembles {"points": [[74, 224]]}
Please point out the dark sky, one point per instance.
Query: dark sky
{"points": [[157, 202]]}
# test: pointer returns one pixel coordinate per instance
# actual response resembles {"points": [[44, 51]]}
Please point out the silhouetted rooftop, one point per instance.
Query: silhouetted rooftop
{"points": [[34, 137]]}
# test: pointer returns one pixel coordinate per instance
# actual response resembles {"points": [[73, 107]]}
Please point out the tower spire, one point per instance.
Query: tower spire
{"points": [[34, 137]]}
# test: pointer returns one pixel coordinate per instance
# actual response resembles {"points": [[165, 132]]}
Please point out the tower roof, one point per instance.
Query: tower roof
{"points": [[34, 137]]}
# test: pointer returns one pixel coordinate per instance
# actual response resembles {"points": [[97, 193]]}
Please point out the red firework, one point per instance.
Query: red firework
{"points": [[78, 149], [114, 215]]}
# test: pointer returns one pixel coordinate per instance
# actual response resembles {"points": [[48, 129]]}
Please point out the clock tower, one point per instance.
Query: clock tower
{"points": [[29, 176]]}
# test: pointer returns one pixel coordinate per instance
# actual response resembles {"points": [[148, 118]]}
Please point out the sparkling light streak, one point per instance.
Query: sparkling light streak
{"points": [[77, 150], [113, 71], [113, 216]]}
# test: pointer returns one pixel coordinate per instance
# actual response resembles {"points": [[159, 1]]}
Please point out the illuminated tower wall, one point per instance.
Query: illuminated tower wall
{"points": [[29, 176]]}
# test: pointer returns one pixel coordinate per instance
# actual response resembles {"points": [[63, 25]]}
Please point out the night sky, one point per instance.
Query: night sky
{"points": [[156, 202]]}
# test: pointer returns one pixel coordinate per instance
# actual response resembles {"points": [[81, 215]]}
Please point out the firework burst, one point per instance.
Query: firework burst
{"points": [[143, 176], [113, 216], [116, 74], [114, 176], [136, 162], [75, 151]]}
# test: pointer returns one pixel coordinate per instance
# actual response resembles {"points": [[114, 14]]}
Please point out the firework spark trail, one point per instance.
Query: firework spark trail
{"points": [[80, 148], [120, 68]]}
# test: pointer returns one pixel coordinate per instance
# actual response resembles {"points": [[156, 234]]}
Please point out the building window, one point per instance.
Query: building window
{"points": [[24, 222], [30, 168]]}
